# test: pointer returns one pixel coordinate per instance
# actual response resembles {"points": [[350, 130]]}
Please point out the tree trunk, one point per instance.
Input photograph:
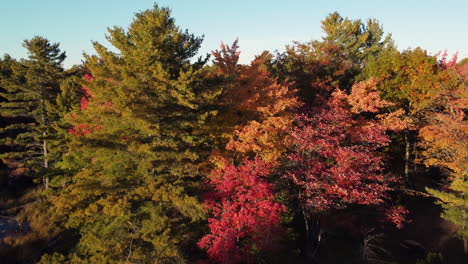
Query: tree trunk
{"points": [[318, 236], [407, 157], [465, 239], [313, 237], [45, 154], [465, 245], [415, 167], [46, 162], [307, 234]]}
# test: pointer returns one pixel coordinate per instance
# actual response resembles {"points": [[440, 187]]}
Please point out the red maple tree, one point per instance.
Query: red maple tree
{"points": [[246, 216], [334, 161]]}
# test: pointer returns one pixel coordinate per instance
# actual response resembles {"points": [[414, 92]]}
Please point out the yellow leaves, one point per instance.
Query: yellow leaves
{"points": [[218, 159], [188, 206], [445, 137], [267, 139], [115, 205], [454, 201], [395, 121], [91, 210], [445, 144]]}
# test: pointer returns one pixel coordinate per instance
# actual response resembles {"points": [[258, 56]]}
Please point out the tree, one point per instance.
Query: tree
{"points": [[317, 67], [31, 90], [334, 160], [255, 114], [410, 79], [6, 117], [444, 141], [137, 145], [246, 216], [256, 108], [37, 94]]}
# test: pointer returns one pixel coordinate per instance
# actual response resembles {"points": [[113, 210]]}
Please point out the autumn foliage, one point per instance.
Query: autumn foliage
{"points": [[245, 216], [146, 154], [259, 107], [335, 158]]}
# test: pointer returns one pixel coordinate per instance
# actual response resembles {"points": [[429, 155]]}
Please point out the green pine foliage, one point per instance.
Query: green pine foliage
{"points": [[31, 88], [334, 61], [17, 124], [138, 146], [454, 202]]}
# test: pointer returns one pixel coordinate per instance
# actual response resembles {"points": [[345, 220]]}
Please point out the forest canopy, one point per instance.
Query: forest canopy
{"points": [[343, 149]]}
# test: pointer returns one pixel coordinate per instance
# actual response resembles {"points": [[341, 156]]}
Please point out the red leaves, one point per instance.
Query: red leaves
{"points": [[83, 129], [444, 62], [245, 216], [227, 58], [84, 103], [88, 77], [397, 215], [334, 158], [87, 93]]}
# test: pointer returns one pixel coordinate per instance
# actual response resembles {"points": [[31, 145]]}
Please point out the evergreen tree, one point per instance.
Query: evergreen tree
{"points": [[30, 94], [16, 125], [34, 100], [318, 66], [5, 120], [138, 144]]}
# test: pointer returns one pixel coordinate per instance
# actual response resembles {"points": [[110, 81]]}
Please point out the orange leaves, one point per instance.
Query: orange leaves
{"points": [[267, 139], [365, 98], [227, 58], [259, 107], [445, 143], [395, 121], [445, 135]]}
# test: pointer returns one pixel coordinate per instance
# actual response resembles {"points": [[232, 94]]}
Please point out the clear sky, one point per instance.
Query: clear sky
{"points": [[259, 24]]}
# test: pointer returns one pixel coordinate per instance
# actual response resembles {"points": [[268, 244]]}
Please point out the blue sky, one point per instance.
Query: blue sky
{"points": [[259, 24]]}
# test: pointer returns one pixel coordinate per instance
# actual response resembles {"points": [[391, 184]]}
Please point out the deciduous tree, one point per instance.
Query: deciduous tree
{"points": [[246, 217]]}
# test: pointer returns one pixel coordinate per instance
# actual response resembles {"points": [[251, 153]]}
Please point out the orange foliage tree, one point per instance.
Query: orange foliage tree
{"points": [[258, 108], [444, 140]]}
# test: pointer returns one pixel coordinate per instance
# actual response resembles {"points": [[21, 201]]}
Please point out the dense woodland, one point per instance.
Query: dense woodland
{"points": [[344, 149]]}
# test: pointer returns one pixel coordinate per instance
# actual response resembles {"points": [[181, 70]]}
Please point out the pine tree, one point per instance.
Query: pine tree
{"points": [[6, 73], [31, 91], [16, 125], [137, 145], [33, 144], [68, 101], [319, 66]]}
